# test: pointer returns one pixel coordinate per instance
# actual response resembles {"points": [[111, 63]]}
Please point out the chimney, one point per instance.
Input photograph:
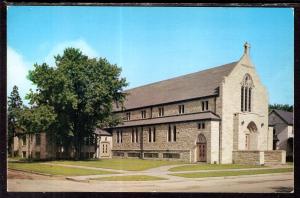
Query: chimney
{"points": [[247, 48]]}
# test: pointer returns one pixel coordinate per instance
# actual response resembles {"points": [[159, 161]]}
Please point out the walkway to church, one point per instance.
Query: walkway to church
{"points": [[162, 171]]}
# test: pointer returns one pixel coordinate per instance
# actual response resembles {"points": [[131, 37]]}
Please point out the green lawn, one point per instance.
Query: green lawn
{"points": [[54, 170], [130, 178], [232, 173], [121, 164], [196, 167]]}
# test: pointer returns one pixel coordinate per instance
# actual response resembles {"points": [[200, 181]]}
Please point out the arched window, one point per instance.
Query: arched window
{"points": [[201, 139], [246, 93]]}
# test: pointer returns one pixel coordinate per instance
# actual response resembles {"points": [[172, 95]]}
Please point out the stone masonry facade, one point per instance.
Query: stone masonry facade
{"points": [[240, 134]]}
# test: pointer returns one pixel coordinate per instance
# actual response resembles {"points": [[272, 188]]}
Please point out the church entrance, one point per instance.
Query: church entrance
{"points": [[201, 147], [251, 137]]}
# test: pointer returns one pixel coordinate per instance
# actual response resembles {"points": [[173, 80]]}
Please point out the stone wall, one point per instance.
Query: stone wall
{"points": [[185, 144], [259, 157], [192, 106], [248, 157], [277, 156]]}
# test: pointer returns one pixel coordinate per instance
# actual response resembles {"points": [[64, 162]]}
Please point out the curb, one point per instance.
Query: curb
{"points": [[235, 177], [33, 172], [78, 180]]}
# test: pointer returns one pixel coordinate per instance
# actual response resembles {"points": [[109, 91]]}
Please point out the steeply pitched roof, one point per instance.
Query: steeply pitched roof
{"points": [[287, 117], [171, 119], [194, 85]]}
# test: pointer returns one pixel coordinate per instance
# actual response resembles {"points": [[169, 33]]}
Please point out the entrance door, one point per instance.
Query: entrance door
{"points": [[202, 152]]}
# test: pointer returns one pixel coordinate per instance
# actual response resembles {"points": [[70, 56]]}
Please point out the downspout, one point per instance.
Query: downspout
{"points": [[220, 141]]}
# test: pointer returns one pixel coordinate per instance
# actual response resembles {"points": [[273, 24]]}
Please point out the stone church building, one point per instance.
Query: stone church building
{"points": [[218, 115]]}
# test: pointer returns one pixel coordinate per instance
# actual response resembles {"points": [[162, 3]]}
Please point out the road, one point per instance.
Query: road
{"points": [[25, 182]]}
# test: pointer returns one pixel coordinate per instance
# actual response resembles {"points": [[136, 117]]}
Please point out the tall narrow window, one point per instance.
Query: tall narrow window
{"points": [[132, 135], [154, 134], [169, 134], [160, 111], [242, 98], [149, 135], [205, 105], [24, 140], [174, 133], [118, 136], [37, 139], [121, 136], [246, 93], [136, 135], [143, 113], [249, 108], [181, 109], [128, 116]]}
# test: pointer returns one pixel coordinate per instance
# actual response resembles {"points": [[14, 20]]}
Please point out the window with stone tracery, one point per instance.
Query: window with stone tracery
{"points": [[246, 93]]}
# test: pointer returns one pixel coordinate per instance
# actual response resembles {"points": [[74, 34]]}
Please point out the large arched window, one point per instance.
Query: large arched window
{"points": [[246, 93]]}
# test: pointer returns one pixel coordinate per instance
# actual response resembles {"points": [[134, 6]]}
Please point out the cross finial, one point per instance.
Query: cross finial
{"points": [[247, 48]]}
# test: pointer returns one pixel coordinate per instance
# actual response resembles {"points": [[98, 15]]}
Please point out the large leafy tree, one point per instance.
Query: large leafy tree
{"points": [[15, 106], [81, 91], [284, 107]]}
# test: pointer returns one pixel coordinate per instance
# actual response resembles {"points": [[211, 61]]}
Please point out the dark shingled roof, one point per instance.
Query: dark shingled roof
{"points": [[287, 117], [102, 132], [170, 119], [194, 85]]}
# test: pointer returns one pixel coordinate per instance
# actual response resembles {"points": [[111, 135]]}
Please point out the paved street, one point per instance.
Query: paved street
{"points": [[280, 182]]}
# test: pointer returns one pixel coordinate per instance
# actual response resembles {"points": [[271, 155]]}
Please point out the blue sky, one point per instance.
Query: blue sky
{"points": [[156, 43]]}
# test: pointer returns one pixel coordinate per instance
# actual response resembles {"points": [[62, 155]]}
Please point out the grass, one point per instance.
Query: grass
{"points": [[130, 178], [121, 164], [197, 167], [232, 173], [54, 170]]}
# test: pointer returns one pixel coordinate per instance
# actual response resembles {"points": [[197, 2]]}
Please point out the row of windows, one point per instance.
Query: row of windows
{"points": [[161, 110], [171, 136], [37, 139], [147, 155]]}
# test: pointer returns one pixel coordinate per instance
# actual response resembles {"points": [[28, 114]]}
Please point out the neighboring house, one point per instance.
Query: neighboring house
{"points": [[283, 130], [42, 146], [219, 115]]}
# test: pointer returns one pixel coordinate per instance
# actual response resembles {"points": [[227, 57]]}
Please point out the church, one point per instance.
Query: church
{"points": [[218, 115]]}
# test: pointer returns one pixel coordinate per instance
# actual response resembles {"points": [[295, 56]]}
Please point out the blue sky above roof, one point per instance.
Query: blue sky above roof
{"points": [[156, 43]]}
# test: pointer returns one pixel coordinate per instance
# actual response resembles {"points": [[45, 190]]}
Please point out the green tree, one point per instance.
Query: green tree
{"points": [[15, 106], [36, 119], [284, 107], [81, 91]]}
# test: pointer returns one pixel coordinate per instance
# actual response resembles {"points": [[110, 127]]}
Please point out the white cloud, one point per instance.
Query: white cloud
{"points": [[18, 67], [80, 43], [17, 70]]}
